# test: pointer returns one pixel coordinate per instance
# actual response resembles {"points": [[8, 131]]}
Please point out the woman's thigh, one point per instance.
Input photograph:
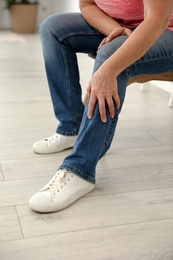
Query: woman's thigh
{"points": [[71, 30], [158, 59]]}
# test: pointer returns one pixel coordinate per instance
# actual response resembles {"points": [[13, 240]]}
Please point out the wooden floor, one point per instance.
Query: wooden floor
{"points": [[129, 215]]}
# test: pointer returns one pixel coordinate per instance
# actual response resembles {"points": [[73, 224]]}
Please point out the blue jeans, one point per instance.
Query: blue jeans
{"points": [[64, 35]]}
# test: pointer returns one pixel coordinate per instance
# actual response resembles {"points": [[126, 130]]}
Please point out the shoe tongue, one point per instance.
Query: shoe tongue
{"points": [[56, 179], [60, 175]]}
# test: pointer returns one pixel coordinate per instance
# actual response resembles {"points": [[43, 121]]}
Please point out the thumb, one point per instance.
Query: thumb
{"points": [[128, 32]]}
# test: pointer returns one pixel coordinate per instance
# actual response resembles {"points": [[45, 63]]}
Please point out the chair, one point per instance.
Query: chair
{"points": [[144, 79]]}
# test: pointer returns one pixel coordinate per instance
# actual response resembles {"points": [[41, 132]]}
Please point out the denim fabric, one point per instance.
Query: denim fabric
{"points": [[64, 35]]}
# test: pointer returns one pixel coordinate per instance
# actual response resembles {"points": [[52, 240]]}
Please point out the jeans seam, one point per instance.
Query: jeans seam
{"points": [[155, 59], [107, 138], [114, 122], [68, 90], [77, 34]]}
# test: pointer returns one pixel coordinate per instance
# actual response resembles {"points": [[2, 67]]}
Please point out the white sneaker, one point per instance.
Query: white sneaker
{"points": [[54, 144], [62, 190]]}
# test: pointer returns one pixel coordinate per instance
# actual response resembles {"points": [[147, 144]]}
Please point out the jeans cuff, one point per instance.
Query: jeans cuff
{"points": [[78, 172], [66, 133]]}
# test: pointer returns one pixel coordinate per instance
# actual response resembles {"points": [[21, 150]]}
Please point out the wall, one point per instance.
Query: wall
{"points": [[45, 8], [4, 17], [71, 6]]}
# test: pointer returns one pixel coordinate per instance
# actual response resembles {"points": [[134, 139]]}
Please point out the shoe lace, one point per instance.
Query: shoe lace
{"points": [[51, 138], [57, 182]]}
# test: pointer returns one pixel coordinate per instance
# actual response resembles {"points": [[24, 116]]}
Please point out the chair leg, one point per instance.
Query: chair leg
{"points": [[85, 99], [144, 87], [171, 101]]}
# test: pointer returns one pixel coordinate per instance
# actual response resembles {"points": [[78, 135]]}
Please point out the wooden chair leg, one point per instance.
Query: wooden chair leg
{"points": [[171, 101], [85, 99], [144, 87]]}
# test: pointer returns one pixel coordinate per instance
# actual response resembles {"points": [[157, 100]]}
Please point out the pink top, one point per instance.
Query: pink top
{"points": [[129, 13]]}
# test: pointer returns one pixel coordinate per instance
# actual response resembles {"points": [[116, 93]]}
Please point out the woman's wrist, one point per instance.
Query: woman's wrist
{"points": [[104, 23], [109, 70]]}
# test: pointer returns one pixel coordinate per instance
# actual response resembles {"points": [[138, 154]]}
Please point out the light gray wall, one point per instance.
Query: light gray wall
{"points": [[4, 16], [46, 8]]}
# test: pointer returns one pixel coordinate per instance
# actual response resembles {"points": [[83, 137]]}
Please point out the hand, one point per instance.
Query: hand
{"points": [[103, 88], [115, 33]]}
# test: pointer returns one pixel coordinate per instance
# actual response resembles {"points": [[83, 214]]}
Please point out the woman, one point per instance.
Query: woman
{"points": [[130, 37]]}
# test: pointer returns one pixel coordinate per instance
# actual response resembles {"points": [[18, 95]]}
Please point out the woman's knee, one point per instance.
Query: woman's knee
{"points": [[60, 24], [48, 24], [108, 49]]}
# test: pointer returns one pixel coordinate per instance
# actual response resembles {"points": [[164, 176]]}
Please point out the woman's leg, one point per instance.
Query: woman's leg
{"points": [[62, 36], [95, 137], [65, 187]]}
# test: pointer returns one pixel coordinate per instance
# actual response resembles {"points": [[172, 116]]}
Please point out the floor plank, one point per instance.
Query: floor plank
{"points": [[148, 113], [108, 210], [135, 126], [134, 140], [151, 240], [108, 181], [1, 174], [34, 165], [19, 191], [136, 157], [134, 179], [164, 137], [9, 224]]}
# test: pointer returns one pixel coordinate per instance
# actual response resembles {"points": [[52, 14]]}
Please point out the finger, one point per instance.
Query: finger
{"points": [[92, 103], [110, 104], [102, 43], [111, 37], [128, 32], [102, 110], [117, 100], [114, 34]]}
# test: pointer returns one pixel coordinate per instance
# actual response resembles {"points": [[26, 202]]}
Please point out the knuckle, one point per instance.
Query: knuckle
{"points": [[93, 91]]}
